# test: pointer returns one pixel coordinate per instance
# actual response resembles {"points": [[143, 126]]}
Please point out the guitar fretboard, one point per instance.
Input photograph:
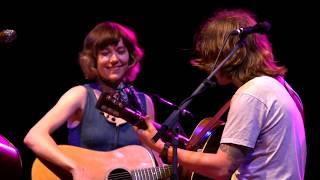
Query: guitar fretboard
{"points": [[152, 173]]}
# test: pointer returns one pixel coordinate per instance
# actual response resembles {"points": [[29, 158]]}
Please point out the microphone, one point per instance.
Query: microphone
{"points": [[8, 35], [184, 112], [262, 27]]}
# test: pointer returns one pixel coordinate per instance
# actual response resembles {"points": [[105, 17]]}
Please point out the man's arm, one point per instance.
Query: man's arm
{"points": [[236, 154]]}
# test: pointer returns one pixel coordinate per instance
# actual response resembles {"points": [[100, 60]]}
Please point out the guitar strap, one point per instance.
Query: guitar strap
{"points": [[293, 95]]}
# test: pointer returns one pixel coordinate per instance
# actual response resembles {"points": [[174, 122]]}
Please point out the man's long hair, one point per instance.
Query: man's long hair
{"points": [[254, 59]]}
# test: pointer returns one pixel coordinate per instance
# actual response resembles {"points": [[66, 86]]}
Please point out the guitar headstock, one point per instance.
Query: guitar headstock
{"points": [[115, 106]]}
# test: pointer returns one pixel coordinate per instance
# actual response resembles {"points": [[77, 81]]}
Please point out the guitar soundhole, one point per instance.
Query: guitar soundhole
{"points": [[119, 174]]}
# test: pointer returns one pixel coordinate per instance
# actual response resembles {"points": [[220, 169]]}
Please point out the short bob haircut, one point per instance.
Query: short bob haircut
{"points": [[105, 34]]}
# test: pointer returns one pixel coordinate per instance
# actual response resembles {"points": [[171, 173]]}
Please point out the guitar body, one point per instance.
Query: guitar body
{"points": [[210, 146], [10, 160], [100, 165], [209, 143], [206, 138]]}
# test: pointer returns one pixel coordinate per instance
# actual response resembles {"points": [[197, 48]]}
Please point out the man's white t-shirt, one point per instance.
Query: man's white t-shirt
{"points": [[264, 117]]}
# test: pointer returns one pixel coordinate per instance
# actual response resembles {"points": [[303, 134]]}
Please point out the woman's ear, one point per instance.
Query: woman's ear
{"points": [[92, 74], [132, 60]]}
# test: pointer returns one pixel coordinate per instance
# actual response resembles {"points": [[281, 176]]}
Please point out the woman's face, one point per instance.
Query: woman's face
{"points": [[113, 63]]}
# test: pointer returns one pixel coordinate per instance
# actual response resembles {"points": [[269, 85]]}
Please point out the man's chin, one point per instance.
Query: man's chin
{"points": [[223, 83]]}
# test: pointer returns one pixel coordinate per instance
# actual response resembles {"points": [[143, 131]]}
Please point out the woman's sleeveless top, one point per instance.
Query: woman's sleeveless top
{"points": [[97, 133]]}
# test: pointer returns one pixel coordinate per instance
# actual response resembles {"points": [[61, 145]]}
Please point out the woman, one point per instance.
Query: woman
{"points": [[110, 60]]}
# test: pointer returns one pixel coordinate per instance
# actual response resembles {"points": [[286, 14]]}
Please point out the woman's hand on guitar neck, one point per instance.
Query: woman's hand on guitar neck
{"points": [[147, 135]]}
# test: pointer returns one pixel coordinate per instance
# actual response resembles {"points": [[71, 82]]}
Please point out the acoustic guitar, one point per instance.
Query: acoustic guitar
{"points": [[10, 160], [205, 137], [129, 162]]}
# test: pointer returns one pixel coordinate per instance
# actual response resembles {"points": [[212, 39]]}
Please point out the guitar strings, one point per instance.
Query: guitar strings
{"points": [[123, 175], [144, 173]]}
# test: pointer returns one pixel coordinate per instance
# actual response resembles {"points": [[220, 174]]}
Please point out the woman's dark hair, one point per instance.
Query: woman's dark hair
{"points": [[103, 35]]}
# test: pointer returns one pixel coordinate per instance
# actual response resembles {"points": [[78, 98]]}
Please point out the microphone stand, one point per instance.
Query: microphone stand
{"points": [[171, 122]]}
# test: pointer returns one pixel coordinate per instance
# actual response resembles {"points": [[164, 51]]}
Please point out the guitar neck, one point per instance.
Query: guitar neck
{"points": [[116, 107], [154, 172]]}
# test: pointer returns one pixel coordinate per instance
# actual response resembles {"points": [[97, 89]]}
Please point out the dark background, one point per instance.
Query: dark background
{"points": [[41, 64]]}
